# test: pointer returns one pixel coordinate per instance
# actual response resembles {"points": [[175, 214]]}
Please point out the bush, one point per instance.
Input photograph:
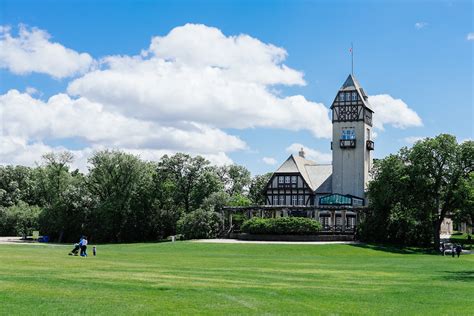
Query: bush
{"points": [[199, 224], [281, 226], [19, 220]]}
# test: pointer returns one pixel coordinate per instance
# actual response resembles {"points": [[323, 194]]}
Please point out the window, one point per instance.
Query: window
{"points": [[282, 200], [281, 179], [354, 96], [294, 200], [348, 133], [275, 200], [293, 179], [301, 200], [348, 96], [287, 179], [341, 96]]}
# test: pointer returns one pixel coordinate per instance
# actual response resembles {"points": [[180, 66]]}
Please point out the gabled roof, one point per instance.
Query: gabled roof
{"points": [[352, 84], [317, 176]]}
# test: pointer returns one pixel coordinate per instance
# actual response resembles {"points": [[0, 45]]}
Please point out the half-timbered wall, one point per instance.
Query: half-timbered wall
{"points": [[288, 189]]}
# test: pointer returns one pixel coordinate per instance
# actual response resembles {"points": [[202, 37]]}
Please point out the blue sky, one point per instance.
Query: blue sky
{"points": [[416, 52]]}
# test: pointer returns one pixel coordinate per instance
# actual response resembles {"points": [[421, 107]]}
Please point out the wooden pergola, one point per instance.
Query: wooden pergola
{"points": [[330, 212]]}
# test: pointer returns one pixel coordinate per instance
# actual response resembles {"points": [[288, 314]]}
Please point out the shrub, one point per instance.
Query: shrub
{"points": [[199, 224], [19, 220], [281, 226]]}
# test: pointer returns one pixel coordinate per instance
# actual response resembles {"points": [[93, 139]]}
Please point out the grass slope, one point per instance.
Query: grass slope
{"points": [[192, 278]]}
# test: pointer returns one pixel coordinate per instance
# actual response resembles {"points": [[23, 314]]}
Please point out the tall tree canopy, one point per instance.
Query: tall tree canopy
{"points": [[413, 191]]}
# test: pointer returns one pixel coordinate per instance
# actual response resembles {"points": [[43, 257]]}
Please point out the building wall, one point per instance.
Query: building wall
{"points": [[351, 165], [284, 192]]}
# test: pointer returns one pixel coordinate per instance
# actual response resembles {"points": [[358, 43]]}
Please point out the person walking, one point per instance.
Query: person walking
{"points": [[83, 245], [458, 250]]}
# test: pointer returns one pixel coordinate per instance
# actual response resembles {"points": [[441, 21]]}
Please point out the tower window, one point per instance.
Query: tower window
{"points": [[348, 133], [354, 96]]}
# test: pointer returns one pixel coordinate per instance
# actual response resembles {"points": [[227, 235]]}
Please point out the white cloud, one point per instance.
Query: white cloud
{"points": [[176, 96], [269, 161], [31, 91], [62, 117], [394, 112], [18, 151], [32, 51], [310, 153], [420, 25], [470, 36], [413, 139], [195, 73]]}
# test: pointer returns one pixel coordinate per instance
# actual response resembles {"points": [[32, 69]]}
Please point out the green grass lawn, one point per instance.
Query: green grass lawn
{"points": [[192, 278]]}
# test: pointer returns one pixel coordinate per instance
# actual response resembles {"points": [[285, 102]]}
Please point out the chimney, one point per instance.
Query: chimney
{"points": [[301, 153]]}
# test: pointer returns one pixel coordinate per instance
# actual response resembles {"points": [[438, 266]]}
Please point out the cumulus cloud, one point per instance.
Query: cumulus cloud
{"points": [[470, 36], [394, 112], [269, 161], [310, 153], [196, 73], [32, 51], [420, 25], [63, 117], [177, 95]]}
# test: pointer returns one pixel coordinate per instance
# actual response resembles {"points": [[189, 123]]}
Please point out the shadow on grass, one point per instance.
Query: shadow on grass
{"points": [[396, 249], [464, 276]]}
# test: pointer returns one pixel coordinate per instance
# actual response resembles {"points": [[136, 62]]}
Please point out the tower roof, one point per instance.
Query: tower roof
{"points": [[352, 84]]}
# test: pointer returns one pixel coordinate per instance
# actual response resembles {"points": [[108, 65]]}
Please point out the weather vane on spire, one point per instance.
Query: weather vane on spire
{"points": [[351, 50]]}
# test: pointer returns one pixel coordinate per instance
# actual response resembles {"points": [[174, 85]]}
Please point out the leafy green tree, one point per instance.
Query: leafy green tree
{"points": [[115, 179], [413, 191], [19, 220], [199, 224], [17, 183], [257, 194], [192, 179], [236, 179]]}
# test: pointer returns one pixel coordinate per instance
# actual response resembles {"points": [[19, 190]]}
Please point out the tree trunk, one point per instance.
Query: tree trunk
{"points": [[436, 231]]}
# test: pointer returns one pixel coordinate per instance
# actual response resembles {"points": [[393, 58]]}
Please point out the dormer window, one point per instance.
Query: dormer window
{"points": [[354, 96]]}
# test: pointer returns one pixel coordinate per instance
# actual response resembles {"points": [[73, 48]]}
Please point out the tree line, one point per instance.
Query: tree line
{"points": [[122, 198]]}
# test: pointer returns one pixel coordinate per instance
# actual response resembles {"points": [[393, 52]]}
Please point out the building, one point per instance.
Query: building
{"points": [[330, 192]]}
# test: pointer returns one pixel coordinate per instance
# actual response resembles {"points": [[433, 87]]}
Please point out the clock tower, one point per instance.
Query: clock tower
{"points": [[351, 139]]}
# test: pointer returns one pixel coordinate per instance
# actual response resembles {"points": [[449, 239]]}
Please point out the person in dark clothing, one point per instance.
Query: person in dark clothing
{"points": [[458, 250], [453, 250], [443, 248], [75, 250]]}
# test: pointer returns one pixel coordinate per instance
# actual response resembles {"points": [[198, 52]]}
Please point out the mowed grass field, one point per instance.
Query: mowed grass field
{"points": [[196, 278]]}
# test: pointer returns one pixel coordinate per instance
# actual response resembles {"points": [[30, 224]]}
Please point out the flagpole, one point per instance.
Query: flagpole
{"points": [[352, 56]]}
